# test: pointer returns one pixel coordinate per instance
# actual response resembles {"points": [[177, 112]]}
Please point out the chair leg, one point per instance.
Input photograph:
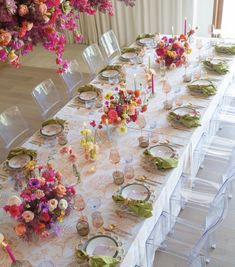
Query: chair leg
{"points": [[207, 252], [212, 240], [230, 191]]}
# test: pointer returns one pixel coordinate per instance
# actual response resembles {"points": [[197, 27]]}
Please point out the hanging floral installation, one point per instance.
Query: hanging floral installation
{"points": [[26, 23]]}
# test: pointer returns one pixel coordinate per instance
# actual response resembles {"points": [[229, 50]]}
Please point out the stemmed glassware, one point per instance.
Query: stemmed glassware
{"points": [[143, 140], [166, 87], [199, 45], [79, 203], [163, 70]]}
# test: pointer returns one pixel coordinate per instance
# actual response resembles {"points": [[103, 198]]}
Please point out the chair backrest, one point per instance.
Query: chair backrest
{"points": [[72, 76], [47, 97], [110, 46], [13, 126], [94, 58]]}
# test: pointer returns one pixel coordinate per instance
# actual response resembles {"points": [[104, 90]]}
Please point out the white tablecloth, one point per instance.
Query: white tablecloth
{"points": [[61, 249]]}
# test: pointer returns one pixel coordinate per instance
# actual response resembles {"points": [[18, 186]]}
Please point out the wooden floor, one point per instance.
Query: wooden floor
{"points": [[16, 85]]}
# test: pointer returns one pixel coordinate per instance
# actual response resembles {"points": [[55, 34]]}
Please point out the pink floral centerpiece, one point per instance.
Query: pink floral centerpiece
{"points": [[24, 24], [173, 50], [44, 201]]}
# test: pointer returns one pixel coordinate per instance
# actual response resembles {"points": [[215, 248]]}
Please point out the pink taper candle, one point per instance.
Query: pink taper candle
{"points": [[185, 26], [9, 252]]}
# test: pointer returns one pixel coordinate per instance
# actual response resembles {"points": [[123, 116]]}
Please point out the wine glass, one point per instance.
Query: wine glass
{"points": [[114, 156], [129, 172], [166, 87], [97, 219], [113, 80], [162, 69], [94, 203], [141, 122], [199, 45], [79, 203]]}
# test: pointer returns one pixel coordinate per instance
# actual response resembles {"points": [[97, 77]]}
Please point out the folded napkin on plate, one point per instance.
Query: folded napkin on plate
{"points": [[141, 208], [88, 87], [221, 67], [162, 163], [145, 35], [54, 121], [225, 49], [20, 151], [187, 120], [116, 67], [136, 50], [206, 89], [95, 261]]}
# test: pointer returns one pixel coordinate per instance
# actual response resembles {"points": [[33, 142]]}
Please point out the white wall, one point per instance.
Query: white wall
{"points": [[203, 16]]}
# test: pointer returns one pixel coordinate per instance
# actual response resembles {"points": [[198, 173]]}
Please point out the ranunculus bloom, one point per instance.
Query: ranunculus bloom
{"points": [[23, 10], [161, 52], [60, 190], [63, 204], [168, 61], [20, 229], [52, 203], [73, 157], [45, 217], [39, 194], [14, 210], [112, 114], [65, 150], [5, 38], [28, 216]]}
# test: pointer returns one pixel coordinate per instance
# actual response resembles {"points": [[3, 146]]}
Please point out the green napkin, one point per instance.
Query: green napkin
{"points": [[54, 121], [221, 67], [141, 208], [96, 261], [225, 49], [89, 87], [136, 50], [206, 90], [116, 67], [162, 163], [20, 151], [145, 35], [187, 120]]}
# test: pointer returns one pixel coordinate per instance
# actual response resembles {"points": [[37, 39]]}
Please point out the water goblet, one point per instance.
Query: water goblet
{"points": [[166, 87], [114, 158], [79, 203], [129, 172], [94, 203], [163, 70]]}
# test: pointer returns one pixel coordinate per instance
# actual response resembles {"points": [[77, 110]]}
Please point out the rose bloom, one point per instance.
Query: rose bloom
{"points": [[60, 190], [20, 229], [40, 228], [161, 52], [65, 150], [42, 8], [23, 10], [39, 194], [28, 216], [58, 175], [52, 203], [5, 38], [112, 115]]}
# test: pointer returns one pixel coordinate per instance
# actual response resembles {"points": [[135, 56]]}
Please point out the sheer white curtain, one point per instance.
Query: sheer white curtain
{"points": [[147, 16]]}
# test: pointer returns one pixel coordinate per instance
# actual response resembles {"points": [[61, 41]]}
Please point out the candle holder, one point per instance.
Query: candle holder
{"points": [[82, 226], [143, 141], [167, 104], [118, 177]]}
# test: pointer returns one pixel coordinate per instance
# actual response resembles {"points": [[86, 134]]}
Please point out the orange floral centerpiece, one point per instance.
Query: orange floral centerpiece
{"points": [[122, 107]]}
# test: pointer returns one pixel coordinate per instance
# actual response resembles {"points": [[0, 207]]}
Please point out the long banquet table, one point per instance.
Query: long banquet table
{"points": [[100, 184]]}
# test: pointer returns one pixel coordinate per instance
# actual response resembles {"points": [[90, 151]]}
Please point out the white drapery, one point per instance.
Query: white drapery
{"points": [[147, 16]]}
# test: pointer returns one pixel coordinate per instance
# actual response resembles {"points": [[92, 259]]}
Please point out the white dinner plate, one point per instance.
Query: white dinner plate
{"points": [[145, 41], [162, 151], [201, 82], [51, 129], [128, 56], [101, 245], [88, 95], [135, 191], [109, 73], [181, 111], [19, 161]]}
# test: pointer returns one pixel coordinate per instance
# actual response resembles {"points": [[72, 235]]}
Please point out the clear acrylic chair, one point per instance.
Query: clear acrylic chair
{"points": [[72, 77], [186, 240], [13, 127], [110, 46], [47, 97], [94, 58]]}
